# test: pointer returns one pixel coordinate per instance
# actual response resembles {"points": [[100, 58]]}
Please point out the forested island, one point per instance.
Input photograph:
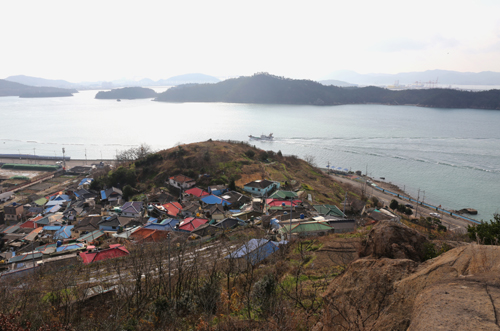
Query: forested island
{"points": [[8, 88], [264, 88], [127, 93]]}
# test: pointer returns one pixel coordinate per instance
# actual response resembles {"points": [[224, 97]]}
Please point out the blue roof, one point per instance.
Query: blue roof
{"points": [[212, 200], [52, 228], [86, 181], [171, 221], [103, 194], [161, 227], [64, 232], [255, 250]]}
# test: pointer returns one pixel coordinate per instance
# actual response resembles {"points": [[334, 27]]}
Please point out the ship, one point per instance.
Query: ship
{"points": [[262, 137]]}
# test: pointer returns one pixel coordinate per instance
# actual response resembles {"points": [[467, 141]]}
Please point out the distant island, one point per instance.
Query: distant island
{"points": [[8, 88], [127, 93], [335, 82], [45, 94], [264, 88]]}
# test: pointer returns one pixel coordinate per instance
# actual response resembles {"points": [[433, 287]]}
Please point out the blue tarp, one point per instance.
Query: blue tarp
{"points": [[70, 247], [103, 195], [255, 250], [212, 200], [86, 181]]}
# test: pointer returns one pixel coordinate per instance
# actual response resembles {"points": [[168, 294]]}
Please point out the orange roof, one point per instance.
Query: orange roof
{"points": [[149, 235], [181, 178], [173, 208]]}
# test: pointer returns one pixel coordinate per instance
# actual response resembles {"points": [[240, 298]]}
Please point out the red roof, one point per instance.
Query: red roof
{"points": [[197, 192], [173, 208], [181, 179], [30, 224], [192, 223], [279, 202], [116, 250]]}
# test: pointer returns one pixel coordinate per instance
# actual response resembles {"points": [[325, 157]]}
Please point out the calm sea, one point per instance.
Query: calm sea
{"points": [[451, 155]]}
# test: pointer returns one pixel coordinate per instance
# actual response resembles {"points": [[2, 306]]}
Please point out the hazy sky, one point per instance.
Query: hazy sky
{"points": [[105, 40]]}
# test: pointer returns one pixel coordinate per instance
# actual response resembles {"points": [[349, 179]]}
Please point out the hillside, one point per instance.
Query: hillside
{"points": [[127, 93], [269, 89], [36, 81], [8, 88], [218, 162]]}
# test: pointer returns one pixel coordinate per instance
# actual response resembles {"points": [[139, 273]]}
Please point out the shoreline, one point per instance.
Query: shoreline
{"points": [[383, 190]]}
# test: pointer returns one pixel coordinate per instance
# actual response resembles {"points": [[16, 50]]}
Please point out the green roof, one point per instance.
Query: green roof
{"points": [[41, 201], [306, 227], [280, 194], [328, 210]]}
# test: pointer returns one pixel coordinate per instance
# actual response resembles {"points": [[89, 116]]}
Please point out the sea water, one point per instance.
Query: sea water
{"points": [[450, 156]]}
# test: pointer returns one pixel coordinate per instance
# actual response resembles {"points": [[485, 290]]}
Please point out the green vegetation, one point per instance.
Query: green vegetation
{"points": [[486, 233], [268, 89]]}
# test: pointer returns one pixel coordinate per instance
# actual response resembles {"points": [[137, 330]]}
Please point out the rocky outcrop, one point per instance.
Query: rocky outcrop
{"points": [[458, 290], [395, 241]]}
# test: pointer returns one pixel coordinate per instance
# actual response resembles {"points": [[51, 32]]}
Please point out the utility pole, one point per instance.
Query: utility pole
{"points": [[85, 156], [345, 202], [64, 158], [416, 209], [34, 154], [169, 275]]}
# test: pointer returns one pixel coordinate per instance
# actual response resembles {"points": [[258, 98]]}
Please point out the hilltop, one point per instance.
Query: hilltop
{"points": [[264, 88], [220, 162]]}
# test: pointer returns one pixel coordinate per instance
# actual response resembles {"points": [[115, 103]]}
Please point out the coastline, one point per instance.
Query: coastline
{"points": [[382, 190]]}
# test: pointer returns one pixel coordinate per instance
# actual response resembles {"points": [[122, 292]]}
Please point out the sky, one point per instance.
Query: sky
{"points": [[107, 40]]}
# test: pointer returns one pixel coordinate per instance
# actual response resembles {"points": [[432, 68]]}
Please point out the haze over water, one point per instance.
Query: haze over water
{"points": [[451, 154]]}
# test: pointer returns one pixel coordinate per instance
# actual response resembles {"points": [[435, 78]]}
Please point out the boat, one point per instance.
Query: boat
{"points": [[118, 100], [262, 137]]}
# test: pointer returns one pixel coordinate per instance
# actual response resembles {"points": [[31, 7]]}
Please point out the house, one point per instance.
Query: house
{"points": [[217, 189], [114, 251], [228, 223], [111, 194], [91, 237], [261, 187], [84, 194], [64, 232], [191, 223], [132, 209], [216, 212], [329, 210], [165, 225], [214, 200], [113, 223], [206, 230], [30, 224], [341, 225], [173, 208], [254, 251], [181, 182], [149, 235], [197, 192], [190, 209], [280, 194], [236, 199], [13, 212], [88, 224], [306, 229]]}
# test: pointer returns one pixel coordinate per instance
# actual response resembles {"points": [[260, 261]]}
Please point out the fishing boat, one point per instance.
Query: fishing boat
{"points": [[262, 137]]}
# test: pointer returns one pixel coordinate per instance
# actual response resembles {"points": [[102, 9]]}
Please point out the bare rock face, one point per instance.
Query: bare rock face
{"points": [[459, 290], [395, 241]]}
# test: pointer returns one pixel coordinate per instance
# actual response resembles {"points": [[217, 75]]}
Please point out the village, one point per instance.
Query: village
{"points": [[76, 224]]}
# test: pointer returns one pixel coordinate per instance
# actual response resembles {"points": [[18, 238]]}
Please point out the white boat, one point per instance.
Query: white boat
{"points": [[262, 137]]}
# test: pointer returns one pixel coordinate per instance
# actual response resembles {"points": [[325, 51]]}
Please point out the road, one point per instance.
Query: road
{"points": [[451, 222]]}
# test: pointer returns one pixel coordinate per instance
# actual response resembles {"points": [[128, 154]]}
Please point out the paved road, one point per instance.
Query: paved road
{"points": [[451, 222]]}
